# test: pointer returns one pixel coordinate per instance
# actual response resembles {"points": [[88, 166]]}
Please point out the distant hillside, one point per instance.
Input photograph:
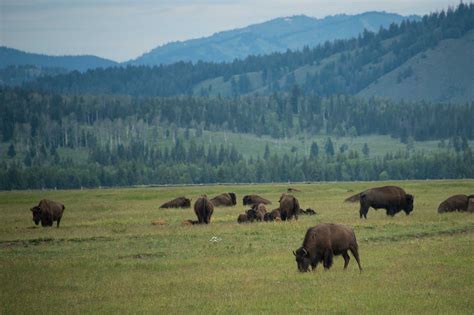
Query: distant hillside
{"points": [[17, 75], [14, 57], [276, 35], [444, 73], [436, 51]]}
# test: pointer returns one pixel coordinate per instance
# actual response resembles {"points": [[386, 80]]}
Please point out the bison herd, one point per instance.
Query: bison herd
{"points": [[321, 242]]}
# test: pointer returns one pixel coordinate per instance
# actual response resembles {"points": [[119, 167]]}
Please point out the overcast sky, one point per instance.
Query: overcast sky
{"points": [[124, 29]]}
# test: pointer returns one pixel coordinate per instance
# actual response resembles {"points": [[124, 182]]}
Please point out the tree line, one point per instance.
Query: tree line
{"points": [[55, 120]]}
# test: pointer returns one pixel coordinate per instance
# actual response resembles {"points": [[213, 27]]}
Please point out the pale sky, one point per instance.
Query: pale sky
{"points": [[124, 29]]}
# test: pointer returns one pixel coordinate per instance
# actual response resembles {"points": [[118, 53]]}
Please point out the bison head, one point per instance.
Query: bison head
{"points": [[409, 203], [302, 259], [233, 197], [36, 214], [187, 202]]}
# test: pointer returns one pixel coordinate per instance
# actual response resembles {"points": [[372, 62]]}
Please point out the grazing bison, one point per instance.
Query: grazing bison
{"points": [[272, 215], [391, 198], [456, 203], [203, 209], [180, 202], [324, 241], [48, 211], [224, 200], [289, 207], [242, 218], [255, 200], [260, 211]]}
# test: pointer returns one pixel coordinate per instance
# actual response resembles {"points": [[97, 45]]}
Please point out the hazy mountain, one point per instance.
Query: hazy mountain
{"points": [[430, 59], [14, 57], [276, 35]]}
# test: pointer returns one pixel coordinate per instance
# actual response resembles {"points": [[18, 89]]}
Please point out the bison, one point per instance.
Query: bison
{"points": [[203, 209], [254, 200], [391, 198], [289, 207], [251, 214], [324, 241], [180, 202], [273, 215], [242, 218], [224, 200], [48, 211], [456, 203], [260, 211]]}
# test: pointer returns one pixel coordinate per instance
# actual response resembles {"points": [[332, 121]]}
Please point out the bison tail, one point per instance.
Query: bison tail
{"points": [[353, 198]]}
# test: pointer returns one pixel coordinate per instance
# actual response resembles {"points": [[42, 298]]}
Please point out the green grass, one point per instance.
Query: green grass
{"points": [[107, 257]]}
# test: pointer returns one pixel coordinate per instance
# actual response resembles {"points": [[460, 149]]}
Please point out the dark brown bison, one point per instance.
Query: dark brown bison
{"points": [[293, 190], [242, 218], [224, 200], [308, 211], [456, 203], [260, 211], [289, 207], [203, 209], [255, 200], [276, 213], [251, 214], [180, 202], [324, 241], [391, 198], [48, 211]]}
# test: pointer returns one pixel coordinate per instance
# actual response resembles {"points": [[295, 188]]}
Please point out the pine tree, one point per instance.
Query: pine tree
{"points": [[11, 151], [314, 151], [329, 147], [366, 150]]}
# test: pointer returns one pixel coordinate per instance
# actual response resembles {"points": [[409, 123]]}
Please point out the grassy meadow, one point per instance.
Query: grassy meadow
{"points": [[107, 257]]}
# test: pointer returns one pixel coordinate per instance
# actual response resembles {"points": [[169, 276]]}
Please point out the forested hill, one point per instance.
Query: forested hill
{"points": [[340, 67], [276, 35], [15, 57]]}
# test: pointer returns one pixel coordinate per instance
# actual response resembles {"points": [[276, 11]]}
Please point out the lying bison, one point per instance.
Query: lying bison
{"points": [[254, 200], [273, 215], [289, 207], [242, 218], [456, 203], [180, 202], [324, 241], [48, 211], [308, 211], [203, 209], [224, 200], [391, 198]]}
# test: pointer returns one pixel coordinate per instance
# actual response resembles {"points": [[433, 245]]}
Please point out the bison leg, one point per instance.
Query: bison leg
{"points": [[363, 211], [327, 262], [346, 259], [355, 253], [391, 211], [59, 220]]}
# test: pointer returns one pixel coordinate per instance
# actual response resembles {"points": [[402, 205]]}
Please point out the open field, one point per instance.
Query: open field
{"points": [[107, 257]]}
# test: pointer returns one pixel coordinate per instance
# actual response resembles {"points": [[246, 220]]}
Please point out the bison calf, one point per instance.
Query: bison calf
{"points": [[48, 211], [324, 241]]}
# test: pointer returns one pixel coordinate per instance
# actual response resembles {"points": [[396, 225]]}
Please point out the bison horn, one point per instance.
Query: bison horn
{"points": [[305, 251], [294, 253]]}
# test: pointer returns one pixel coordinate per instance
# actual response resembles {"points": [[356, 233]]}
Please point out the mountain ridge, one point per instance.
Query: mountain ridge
{"points": [[275, 35]]}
